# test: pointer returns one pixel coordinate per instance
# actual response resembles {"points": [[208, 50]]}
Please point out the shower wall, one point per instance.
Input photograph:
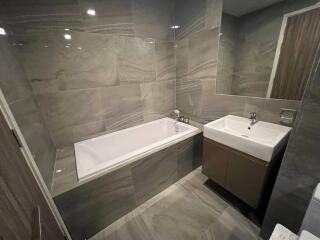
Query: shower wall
{"points": [[18, 94], [116, 71]]}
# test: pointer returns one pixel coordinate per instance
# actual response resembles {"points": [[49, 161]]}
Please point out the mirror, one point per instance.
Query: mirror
{"points": [[267, 49]]}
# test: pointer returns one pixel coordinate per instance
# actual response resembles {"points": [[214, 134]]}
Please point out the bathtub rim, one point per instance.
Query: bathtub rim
{"points": [[95, 173]]}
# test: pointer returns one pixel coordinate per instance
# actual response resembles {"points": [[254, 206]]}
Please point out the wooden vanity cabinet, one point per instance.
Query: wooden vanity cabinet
{"points": [[241, 174]]}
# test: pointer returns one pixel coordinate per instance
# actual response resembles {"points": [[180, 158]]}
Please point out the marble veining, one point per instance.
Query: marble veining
{"points": [[109, 197], [186, 210], [126, 46], [197, 55]]}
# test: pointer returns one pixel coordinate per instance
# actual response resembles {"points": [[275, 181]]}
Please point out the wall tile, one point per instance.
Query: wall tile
{"points": [[125, 43], [68, 108], [191, 16], [37, 17], [182, 59], [165, 61], [203, 48], [153, 18], [91, 207], [188, 95], [90, 62], [136, 60], [112, 17], [158, 99], [12, 75], [189, 155], [121, 106], [153, 174], [41, 56]]}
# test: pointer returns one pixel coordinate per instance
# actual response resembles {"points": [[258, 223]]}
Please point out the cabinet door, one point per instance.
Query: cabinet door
{"points": [[215, 162], [246, 176]]}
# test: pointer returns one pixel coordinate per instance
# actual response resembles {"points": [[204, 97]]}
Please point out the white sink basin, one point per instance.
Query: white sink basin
{"points": [[262, 140]]}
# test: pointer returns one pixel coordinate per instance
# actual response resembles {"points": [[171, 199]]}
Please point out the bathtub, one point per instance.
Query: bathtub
{"points": [[103, 154]]}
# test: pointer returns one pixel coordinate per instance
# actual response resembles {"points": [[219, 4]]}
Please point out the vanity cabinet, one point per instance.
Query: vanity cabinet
{"points": [[241, 174]]}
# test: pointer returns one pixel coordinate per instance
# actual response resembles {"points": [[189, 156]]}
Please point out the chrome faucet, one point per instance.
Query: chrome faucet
{"points": [[177, 117], [253, 118]]}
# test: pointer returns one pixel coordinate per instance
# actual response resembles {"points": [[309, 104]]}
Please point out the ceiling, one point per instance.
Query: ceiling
{"points": [[242, 7]]}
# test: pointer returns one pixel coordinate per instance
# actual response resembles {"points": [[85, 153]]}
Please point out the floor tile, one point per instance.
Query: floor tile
{"points": [[186, 210]]}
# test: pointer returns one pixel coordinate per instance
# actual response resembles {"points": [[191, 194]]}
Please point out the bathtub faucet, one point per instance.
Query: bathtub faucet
{"points": [[177, 114], [177, 117], [180, 118]]}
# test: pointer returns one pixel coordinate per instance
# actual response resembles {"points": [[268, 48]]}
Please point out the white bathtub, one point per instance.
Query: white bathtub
{"points": [[106, 153]]}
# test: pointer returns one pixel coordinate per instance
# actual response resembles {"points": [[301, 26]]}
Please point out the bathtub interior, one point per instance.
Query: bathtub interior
{"points": [[97, 154]]}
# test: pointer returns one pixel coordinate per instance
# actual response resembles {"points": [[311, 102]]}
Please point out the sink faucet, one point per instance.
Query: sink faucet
{"points": [[253, 118]]}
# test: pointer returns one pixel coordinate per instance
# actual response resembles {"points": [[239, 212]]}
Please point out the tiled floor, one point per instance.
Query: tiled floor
{"points": [[186, 210]]}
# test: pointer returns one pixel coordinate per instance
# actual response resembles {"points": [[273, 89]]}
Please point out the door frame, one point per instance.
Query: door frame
{"points": [[280, 42], [9, 117]]}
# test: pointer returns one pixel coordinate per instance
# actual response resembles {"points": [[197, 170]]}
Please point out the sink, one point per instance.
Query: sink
{"points": [[262, 140]]}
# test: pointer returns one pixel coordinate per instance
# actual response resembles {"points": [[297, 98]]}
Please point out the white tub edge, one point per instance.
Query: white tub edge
{"points": [[94, 174]]}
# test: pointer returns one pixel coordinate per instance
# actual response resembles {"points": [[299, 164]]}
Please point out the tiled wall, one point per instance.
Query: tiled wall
{"points": [[299, 172], [248, 46], [197, 54], [258, 35], [118, 70], [18, 94], [227, 53], [98, 203]]}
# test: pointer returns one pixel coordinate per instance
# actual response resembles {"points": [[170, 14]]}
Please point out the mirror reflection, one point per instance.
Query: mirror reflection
{"points": [[256, 46]]}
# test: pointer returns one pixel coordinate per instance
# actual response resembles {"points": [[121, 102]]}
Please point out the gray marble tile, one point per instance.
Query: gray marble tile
{"points": [[186, 210], [188, 96], [231, 225], [121, 106], [112, 17], [227, 54], [173, 217], [191, 16], [153, 18], [87, 130], [135, 229], [153, 174], [158, 99], [69, 108], [189, 154], [165, 61], [136, 60], [40, 16], [203, 48], [89, 62], [12, 74], [42, 57], [213, 13], [71, 134], [89, 208], [182, 60]]}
